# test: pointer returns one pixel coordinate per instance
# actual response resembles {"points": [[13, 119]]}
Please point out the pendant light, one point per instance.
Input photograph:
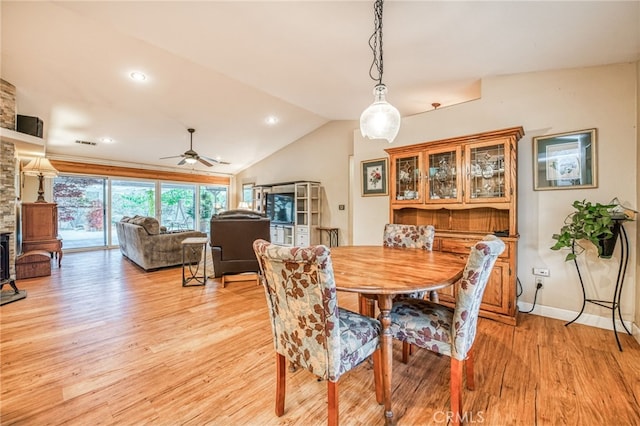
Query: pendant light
{"points": [[380, 120]]}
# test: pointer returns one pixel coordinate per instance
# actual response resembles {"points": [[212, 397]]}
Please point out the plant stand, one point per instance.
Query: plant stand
{"points": [[614, 304]]}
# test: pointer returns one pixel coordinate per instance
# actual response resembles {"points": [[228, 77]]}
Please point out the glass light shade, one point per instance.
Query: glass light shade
{"points": [[380, 120], [40, 166], [190, 160], [243, 205]]}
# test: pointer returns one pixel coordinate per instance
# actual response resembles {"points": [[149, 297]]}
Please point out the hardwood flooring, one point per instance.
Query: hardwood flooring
{"points": [[102, 342]]}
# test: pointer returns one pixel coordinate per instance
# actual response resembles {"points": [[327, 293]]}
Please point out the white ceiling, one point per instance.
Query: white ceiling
{"points": [[223, 67]]}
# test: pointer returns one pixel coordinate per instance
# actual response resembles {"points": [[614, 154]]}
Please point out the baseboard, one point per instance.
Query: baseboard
{"points": [[586, 319]]}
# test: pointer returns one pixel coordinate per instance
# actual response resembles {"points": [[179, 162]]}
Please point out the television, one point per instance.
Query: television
{"points": [[280, 208]]}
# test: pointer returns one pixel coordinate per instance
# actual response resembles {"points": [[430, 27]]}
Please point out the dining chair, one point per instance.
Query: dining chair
{"points": [[408, 236], [309, 329], [450, 331]]}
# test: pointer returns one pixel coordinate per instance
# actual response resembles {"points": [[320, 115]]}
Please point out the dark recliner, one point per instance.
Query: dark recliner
{"points": [[232, 235]]}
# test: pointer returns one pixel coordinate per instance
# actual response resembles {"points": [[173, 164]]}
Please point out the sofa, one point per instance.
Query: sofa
{"points": [[232, 235], [150, 246]]}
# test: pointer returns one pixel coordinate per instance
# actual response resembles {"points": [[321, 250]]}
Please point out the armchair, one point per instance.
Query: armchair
{"points": [[232, 235]]}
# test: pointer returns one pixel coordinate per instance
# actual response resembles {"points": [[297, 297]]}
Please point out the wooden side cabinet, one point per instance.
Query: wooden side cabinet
{"points": [[40, 228], [466, 187]]}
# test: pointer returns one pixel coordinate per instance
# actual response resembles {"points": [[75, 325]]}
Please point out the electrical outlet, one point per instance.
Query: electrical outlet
{"points": [[539, 281], [541, 272]]}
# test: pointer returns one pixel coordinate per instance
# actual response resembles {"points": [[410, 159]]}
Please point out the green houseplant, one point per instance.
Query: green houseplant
{"points": [[598, 223]]}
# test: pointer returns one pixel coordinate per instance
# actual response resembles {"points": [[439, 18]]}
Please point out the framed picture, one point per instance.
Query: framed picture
{"points": [[565, 161], [374, 177]]}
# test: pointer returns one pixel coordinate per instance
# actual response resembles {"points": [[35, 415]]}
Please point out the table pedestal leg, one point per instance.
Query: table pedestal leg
{"points": [[386, 345]]}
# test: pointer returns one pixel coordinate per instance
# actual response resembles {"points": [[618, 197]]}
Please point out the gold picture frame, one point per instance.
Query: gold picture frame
{"points": [[565, 160]]}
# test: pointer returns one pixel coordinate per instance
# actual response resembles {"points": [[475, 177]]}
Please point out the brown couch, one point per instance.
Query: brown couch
{"points": [[232, 235], [143, 241]]}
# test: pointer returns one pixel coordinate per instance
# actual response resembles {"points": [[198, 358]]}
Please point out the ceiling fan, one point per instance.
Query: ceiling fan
{"points": [[192, 157]]}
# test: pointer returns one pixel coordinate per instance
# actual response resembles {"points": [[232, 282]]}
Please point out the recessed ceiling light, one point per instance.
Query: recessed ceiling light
{"points": [[138, 76], [106, 140], [271, 120]]}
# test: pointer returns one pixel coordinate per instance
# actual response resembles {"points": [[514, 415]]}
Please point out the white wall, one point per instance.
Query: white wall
{"points": [[542, 103], [321, 156]]}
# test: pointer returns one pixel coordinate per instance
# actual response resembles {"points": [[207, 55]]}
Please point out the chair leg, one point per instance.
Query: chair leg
{"points": [[456, 391], [281, 372], [332, 389], [471, 384], [406, 351], [377, 375]]}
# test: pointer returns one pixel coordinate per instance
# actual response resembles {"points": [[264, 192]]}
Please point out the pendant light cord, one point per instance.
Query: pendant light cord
{"points": [[375, 43]]}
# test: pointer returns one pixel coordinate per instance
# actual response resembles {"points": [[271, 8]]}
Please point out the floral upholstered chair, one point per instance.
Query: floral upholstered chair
{"points": [[309, 329], [408, 236], [446, 330]]}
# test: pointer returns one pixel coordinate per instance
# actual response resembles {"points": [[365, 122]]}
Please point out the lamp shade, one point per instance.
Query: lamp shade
{"points": [[380, 120], [40, 166]]}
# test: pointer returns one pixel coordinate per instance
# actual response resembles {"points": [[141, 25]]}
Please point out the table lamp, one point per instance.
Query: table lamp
{"points": [[40, 167]]}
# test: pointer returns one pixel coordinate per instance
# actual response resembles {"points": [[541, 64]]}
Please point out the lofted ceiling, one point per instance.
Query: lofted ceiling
{"points": [[224, 67]]}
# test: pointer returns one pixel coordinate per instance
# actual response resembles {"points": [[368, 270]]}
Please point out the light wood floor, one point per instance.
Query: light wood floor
{"points": [[101, 342]]}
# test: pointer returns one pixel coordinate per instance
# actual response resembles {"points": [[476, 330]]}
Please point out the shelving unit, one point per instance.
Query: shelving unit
{"points": [[260, 198], [302, 231], [307, 213], [466, 188]]}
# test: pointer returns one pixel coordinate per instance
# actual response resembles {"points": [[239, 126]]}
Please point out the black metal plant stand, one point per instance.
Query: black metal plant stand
{"points": [[614, 304]]}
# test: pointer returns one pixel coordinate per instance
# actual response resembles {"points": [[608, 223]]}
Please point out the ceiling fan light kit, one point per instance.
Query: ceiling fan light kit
{"points": [[380, 120], [192, 157]]}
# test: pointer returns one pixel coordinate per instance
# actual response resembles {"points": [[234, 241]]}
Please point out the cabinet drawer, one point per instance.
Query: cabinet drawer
{"points": [[463, 245]]}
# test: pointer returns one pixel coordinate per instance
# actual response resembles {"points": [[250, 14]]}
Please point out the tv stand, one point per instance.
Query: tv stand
{"points": [[307, 205]]}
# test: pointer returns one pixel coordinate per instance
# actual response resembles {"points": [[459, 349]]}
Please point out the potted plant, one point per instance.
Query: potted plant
{"points": [[598, 223]]}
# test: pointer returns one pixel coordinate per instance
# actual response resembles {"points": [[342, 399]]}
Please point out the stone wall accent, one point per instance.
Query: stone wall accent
{"points": [[8, 199], [7, 105]]}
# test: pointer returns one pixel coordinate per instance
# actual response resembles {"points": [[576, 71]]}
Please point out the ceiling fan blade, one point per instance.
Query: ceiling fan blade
{"points": [[213, 160], [173, 156], [184, 160], [205, 162]]}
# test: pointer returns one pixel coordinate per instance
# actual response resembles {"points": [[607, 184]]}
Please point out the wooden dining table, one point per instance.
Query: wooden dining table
{"points": [[384, 272]]}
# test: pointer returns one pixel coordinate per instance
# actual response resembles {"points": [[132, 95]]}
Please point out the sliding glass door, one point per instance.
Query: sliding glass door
{"points": [[87, 204], [130, 198], [213, 200], [81, 210], [178, 206]]}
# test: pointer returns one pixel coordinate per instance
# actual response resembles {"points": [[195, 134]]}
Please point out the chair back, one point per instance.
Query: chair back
{"points": [[470, 291], [408, 236], [301, 296]]}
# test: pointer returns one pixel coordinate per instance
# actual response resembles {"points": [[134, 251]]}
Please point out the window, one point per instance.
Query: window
{"points": [[177, 206], [81, 210], [130, 198], [213, 200], [86, 204], [247, 193]]}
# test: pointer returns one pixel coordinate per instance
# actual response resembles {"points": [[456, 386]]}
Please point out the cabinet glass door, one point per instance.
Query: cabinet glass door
{"points": [[488, 165], [407, 178], [443, 183]]}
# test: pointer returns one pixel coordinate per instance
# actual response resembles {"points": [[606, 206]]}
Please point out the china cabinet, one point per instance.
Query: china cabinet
{"points": [[466, 188]]}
